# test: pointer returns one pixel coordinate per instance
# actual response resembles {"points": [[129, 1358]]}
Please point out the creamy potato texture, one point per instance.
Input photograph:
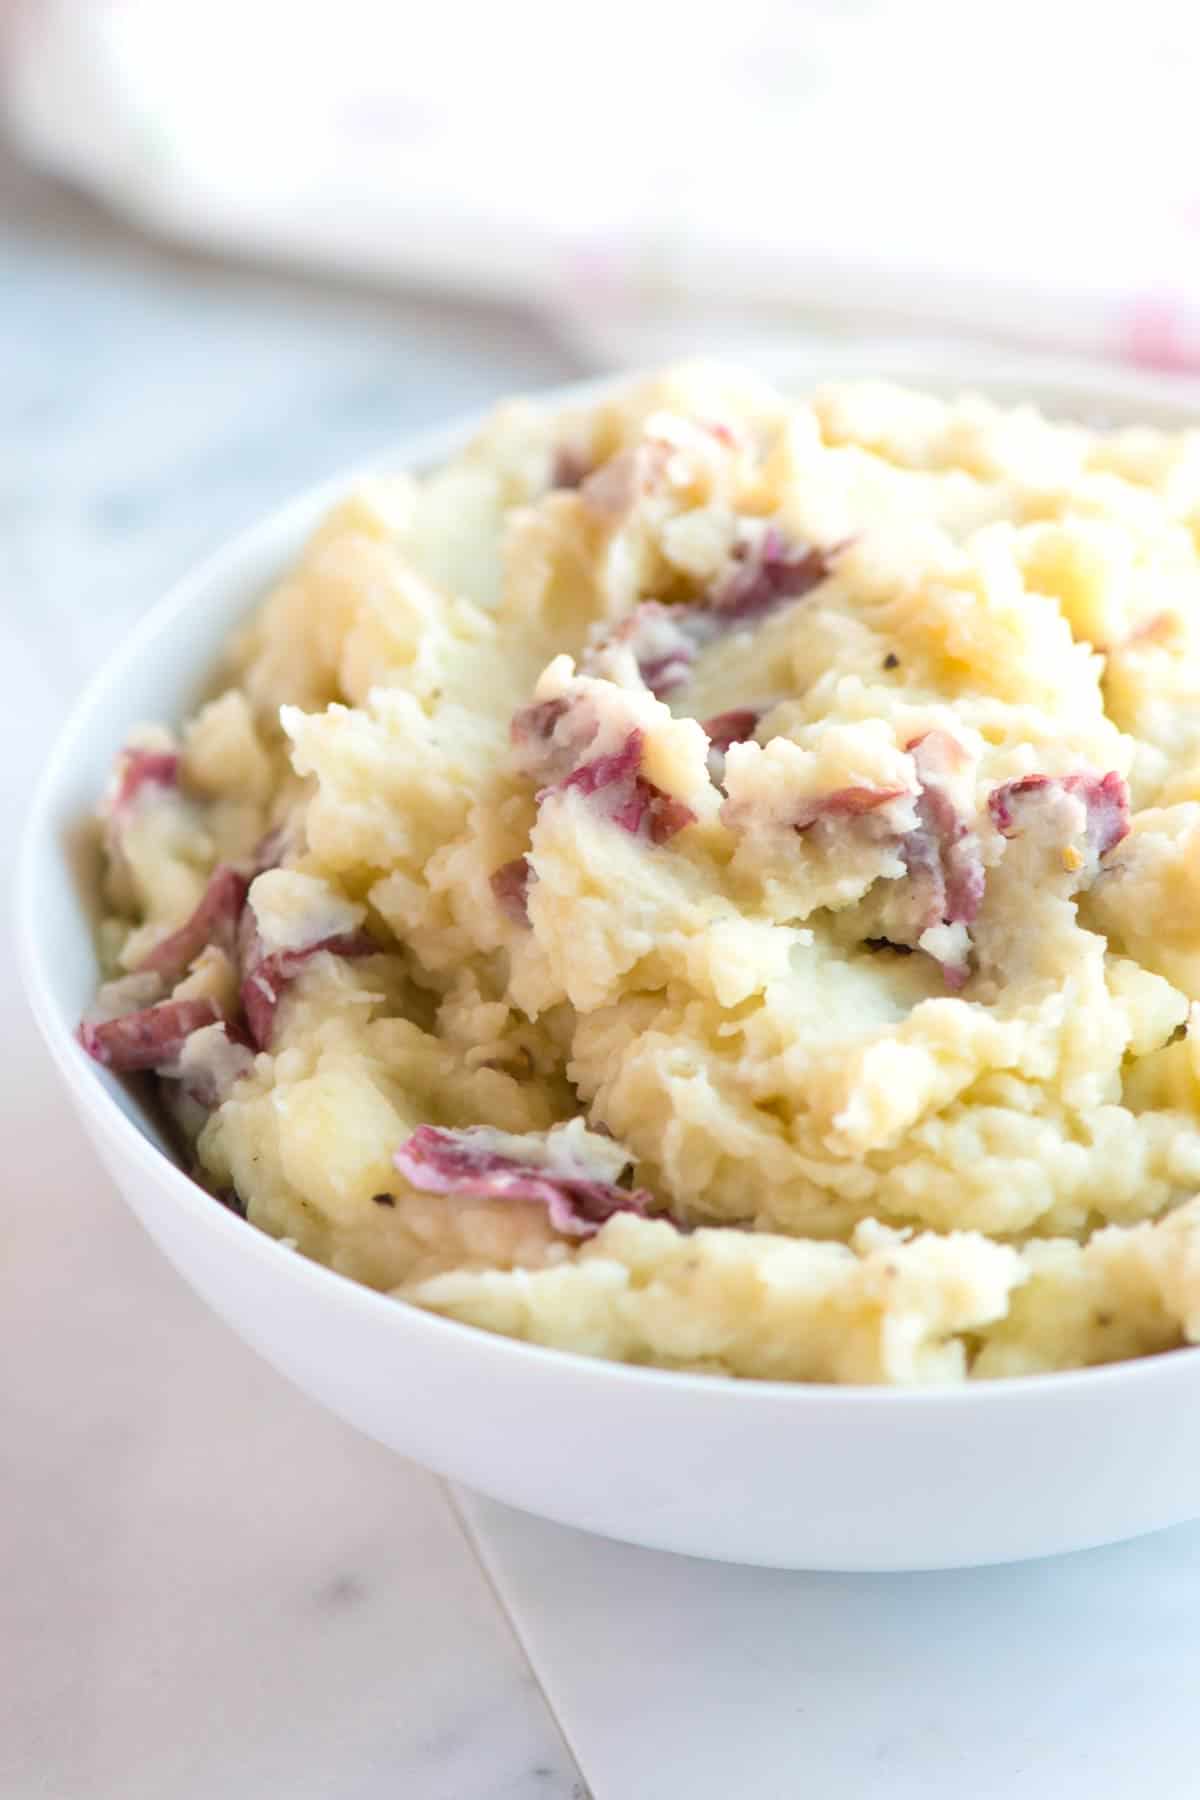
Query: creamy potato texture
{"points": [[709, 880]]}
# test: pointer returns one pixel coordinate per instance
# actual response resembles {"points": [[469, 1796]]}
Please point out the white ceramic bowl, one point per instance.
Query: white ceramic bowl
{"points": [[794, 1476]]}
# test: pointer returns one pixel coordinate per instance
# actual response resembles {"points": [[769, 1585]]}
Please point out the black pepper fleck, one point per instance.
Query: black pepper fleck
{"points": [[384, 1199], [891, 660]]}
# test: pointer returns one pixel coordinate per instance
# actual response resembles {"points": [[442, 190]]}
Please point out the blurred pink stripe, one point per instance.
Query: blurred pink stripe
{"points": [[1159, 332]]}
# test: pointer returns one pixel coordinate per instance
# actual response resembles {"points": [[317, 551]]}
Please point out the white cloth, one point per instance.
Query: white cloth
{"points": [[656, 174]]}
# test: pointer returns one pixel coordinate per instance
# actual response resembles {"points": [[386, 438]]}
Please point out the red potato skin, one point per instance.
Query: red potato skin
{"points": [[214, 921], [510, 888], [1105, 798], [141, 769], [266, 977], [736, 726], [151, 1038], [458, 1163]]}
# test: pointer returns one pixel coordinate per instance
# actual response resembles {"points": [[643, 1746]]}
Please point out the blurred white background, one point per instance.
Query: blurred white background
{"points": [[654, 174]]}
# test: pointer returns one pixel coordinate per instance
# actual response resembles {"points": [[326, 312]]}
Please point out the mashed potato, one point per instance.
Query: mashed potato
{"points": [[711, 881]]}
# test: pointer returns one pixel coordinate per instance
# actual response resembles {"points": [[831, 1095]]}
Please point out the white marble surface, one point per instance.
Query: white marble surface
{"points": [[207, 1586], [1072, 1678]]}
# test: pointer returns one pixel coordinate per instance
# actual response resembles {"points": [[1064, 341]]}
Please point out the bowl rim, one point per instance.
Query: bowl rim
{"points": [[917, 360]]}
